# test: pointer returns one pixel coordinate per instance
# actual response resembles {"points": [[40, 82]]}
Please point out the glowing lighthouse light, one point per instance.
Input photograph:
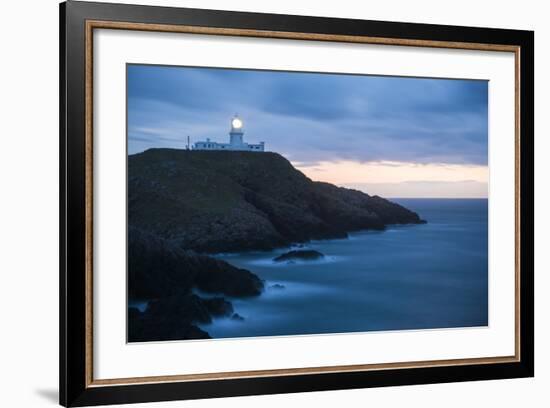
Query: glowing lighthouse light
{"points": [[237, 123]]}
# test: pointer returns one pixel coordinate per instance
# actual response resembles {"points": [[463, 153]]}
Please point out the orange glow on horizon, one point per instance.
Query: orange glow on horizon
{"points": [[403, 179]]}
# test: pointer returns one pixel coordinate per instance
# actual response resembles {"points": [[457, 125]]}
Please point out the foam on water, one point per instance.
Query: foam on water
{"points": [[269, 262]]}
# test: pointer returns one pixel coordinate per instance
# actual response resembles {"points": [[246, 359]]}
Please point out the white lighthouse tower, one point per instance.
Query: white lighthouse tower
{"points": [[236, 141], [236, 133]]}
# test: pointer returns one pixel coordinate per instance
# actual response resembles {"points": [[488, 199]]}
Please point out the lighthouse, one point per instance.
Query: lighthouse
{"points": [[236, 133], [236, 140]]}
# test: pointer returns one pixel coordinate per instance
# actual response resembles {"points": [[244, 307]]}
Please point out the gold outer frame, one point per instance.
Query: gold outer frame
{"points": [[117, 25]]}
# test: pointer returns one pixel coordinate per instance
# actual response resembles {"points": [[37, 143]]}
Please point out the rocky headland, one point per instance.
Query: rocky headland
{"points": [[216, 201], [184, 205]]}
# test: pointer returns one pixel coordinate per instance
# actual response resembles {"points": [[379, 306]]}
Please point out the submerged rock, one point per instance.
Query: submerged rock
{"points": [[299, 255], [237, 316], [277, 286]]}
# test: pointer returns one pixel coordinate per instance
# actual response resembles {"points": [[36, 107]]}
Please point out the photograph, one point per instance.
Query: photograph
{"points": [[261, 202], [287, 203]]}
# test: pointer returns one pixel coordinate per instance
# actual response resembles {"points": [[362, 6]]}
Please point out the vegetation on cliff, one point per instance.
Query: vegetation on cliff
{"points": [[216, 201]]}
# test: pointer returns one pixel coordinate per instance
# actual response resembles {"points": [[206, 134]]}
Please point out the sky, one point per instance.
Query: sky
{"points": [[390, 136]]}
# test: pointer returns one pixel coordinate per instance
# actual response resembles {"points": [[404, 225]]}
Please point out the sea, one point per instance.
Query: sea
{"points": [[411, 277]]}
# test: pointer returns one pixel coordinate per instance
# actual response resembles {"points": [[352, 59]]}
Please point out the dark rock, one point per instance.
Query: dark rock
{"points": [[141, 329], [237, 316], [175, 317], [168, 319], [216, 201], [218, 276], [303, 255], [218, 306], [133, 313], [157, 268], [277, 286], [188, 308], [164, 273]]}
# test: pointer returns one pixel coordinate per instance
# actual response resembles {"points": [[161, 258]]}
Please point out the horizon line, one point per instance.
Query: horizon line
{"points": [[434, 198]]}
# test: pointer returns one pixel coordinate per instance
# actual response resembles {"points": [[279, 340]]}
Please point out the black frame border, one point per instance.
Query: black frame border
{"points": [[72, 177]]}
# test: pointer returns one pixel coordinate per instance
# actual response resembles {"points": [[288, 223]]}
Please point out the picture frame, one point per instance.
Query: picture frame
{"points": [[78, 23]]}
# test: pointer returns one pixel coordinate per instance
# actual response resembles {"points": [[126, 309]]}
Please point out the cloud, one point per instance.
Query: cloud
{"points": [[351, 172], [312, 117]]}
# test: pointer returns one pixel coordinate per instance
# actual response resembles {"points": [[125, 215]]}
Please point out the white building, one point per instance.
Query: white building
{"points": [[236, 141]]}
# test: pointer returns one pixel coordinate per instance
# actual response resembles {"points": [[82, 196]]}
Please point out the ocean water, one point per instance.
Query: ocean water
{"points": [[406, 277]]}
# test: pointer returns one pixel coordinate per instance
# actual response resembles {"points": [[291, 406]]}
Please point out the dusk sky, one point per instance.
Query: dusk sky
{"points": [[391, 136]]}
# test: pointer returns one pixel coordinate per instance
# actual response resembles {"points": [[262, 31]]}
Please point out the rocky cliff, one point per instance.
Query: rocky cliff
{"points": [[183, 205], [168, 277], [216, 201]]}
